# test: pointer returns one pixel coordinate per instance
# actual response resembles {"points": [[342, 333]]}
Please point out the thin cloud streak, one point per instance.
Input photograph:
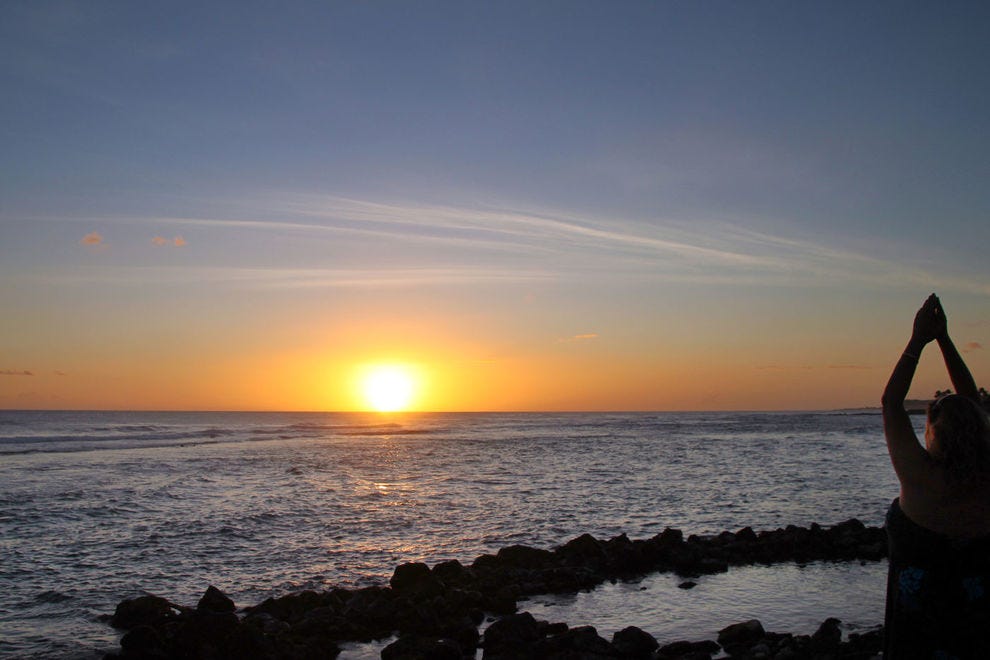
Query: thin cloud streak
{"points": [[721, 254], [287, 278]]}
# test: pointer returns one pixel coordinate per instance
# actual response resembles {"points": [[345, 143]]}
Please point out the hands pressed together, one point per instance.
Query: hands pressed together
{"points": [[930, 323]]}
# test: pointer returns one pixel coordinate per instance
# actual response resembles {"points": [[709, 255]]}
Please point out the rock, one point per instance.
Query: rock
{"points": [[451, 572], [422, 648], [266, 623], [582, 642], [143, 641], [582, 550], [143, 610], [688, 651], [215, 600], [409, 575], [292, 607], [687, 584], [747, 632], [522, 556], [634, 642], [510, 633], [828, 636]]}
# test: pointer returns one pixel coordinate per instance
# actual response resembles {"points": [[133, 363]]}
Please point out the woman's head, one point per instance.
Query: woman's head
{"points": [[958, 438]]}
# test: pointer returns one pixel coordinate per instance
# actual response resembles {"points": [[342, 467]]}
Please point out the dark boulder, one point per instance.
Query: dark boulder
{"points": [[582, 642], [415, 647], [511, 633], [746, 632], [143, 610], [521, 556], [634, 642], [687, 651], [215, 600]]}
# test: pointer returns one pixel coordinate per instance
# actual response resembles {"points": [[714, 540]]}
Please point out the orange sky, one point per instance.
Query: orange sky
{"points": [[632, 206]]}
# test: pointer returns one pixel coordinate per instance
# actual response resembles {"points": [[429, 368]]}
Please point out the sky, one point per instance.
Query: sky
{"points": [[527, 205]]}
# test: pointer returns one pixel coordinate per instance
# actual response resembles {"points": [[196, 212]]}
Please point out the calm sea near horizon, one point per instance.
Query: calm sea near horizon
{"points": [[100, 506]]}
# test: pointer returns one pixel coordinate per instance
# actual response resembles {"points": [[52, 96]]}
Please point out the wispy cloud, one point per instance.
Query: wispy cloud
{"points": [[15, 372], [972, 346], [578, 338], [571, 244], [92, 239], [301, 278], [161, 241]]}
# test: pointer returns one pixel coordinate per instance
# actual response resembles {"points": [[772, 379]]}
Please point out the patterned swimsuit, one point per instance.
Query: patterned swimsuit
{"points": [[938, 593]]}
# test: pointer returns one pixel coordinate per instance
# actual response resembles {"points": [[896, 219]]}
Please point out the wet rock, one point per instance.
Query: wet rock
{"points": [[143, 610], [215, 600], [416, 580], [633, 642], [738, 634], [582, 642], [828, 636], [451, 573], [292, 607], [266, 623], [143, 641], [685, 650], [522, 556], [422, 648], [585, 549], [514, 633]]}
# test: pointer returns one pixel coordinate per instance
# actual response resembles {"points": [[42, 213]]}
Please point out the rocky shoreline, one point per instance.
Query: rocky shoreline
{"points": [[437, 611]]}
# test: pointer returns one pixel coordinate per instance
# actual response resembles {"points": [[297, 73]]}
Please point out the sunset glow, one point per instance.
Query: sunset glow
{"points": [[388, 388], [659, 206]]}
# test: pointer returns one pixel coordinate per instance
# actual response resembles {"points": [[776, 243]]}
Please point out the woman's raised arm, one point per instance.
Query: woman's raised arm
{"points": [[906, 454], [959, 374]]}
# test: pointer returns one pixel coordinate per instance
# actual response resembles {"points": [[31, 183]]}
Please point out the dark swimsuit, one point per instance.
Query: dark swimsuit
{"points": [[938, 593]]}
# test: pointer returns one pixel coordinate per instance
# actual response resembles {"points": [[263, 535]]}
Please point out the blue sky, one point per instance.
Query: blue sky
{"points": [[537, 170]]}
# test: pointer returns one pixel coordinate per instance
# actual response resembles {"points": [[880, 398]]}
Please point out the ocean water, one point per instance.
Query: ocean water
{"points": [[100, 506]]}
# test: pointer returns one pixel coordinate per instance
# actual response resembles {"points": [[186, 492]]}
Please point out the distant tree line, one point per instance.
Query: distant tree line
{"points": [[984, 396]]}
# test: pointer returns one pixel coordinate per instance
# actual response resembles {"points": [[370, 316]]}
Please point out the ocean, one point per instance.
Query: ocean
{"points": [[100, 506]]}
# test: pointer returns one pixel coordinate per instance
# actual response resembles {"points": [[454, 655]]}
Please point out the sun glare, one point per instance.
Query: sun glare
{"points": [[388, 388]]}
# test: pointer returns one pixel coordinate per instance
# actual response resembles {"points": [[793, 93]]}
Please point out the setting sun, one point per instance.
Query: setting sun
{"points": [[388, 388]]}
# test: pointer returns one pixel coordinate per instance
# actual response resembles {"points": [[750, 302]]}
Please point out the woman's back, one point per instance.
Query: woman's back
{"points": [[955, 510]]}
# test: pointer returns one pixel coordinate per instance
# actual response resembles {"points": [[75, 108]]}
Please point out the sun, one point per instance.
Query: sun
{"points": [[388, 388]]}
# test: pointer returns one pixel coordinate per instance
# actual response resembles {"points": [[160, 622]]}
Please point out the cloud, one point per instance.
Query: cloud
{"points": [[583, 337], [92, 239], [14, 372], [59, 373], [850, 367], [972, 346], [161, 241]]}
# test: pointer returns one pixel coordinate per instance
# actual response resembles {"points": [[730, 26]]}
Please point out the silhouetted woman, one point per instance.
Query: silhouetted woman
{"points": [[938, 585]]}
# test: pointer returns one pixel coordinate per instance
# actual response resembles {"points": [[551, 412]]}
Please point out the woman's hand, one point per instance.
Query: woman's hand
{"points": [[929, 322]]}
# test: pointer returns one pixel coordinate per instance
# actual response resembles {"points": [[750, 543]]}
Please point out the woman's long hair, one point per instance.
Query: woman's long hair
{"points": [[960, 439]]}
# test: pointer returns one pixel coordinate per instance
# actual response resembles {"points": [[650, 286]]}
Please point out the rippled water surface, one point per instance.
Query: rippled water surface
{"points": [[96, 507]]}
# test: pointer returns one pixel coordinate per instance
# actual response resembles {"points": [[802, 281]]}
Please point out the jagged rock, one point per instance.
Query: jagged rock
{"points": [[510, 633], [634, 642], [143, 641], [828, 636], [422, 648], [688, 650], [143, 610], [451, 572], [215, 600], [409, 576], [525, 557], [746, 632], [581, 642]]}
